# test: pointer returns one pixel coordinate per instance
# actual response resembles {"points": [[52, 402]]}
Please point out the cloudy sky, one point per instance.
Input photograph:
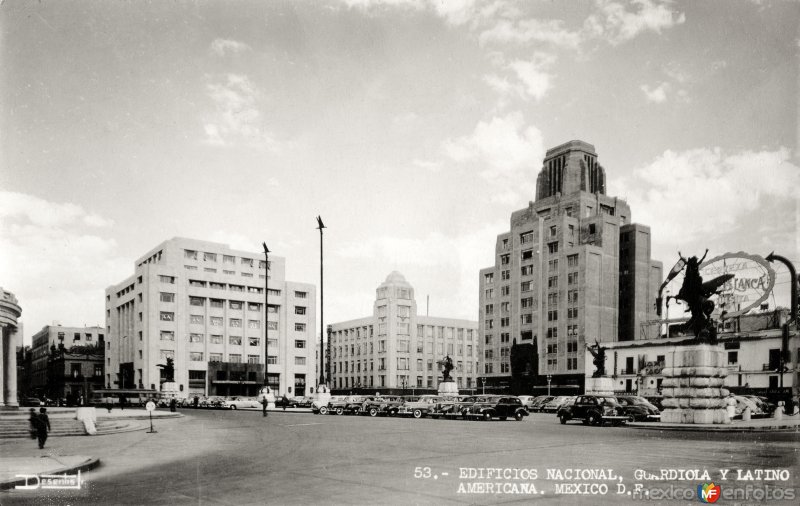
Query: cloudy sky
{"points": [[413, 127]]}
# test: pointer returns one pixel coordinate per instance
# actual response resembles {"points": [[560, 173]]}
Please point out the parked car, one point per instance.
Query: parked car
{"points": [[240, 403], [354, 404], [323, 408], [418, 406], [303, 402], [765, 407], [30, 401], [593, 410], [538, 402], [284, 401], [743, 403], [552, 405], [655, 400], [454, 407], [526, 400], [377, 405], [498, 406], [639, 409]]}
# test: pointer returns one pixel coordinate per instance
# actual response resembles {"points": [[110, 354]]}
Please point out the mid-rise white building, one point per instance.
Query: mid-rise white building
{"points": [[202, 304], [396, 349]]}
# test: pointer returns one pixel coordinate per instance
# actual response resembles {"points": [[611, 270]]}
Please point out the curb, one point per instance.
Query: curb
{"points": [[719, 428], [87, 465]]}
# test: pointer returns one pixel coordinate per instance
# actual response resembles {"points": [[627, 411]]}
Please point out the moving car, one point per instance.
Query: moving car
{"points": [[593, 410]]}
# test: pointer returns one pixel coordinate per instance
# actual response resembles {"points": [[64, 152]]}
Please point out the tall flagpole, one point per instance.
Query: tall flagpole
{"points": [[266, 316], [321, 308]]}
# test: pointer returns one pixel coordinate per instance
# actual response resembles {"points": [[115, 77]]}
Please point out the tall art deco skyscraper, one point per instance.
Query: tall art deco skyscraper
{"points": [[572, 269]]}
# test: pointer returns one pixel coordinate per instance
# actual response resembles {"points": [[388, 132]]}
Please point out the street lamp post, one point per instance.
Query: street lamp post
{"points": [[266, 317], [483, 386], [321, 308], [549, 379]]}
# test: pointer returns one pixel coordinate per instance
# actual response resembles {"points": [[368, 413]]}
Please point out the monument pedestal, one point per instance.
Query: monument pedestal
{"points": [[599, 386], [692, 387], [323, 395], [448, 388], [266, 393]]}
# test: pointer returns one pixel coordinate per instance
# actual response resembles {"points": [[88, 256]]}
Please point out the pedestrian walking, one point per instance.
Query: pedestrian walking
{"points": [[33, 420], [264, 405], [284, 401], [172, 404], [42, 427], [122, 402], [196, 401]]}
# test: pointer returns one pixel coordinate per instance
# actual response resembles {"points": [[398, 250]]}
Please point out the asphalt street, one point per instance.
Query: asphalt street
{"points": [[239, 457]]}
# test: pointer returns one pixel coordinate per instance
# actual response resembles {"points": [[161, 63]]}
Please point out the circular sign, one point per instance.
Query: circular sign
{"points": [[752, 282], [150, 406]]}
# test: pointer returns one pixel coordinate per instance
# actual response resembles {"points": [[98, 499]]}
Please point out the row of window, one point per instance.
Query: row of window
{"points": [[226, 259], [403, 346], [403, 364], [167, 335], [198, 356], [429, 331], [403, 381]]}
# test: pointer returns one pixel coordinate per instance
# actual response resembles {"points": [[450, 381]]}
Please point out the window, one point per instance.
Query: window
{"points": [[552, 315], [272, 325], [165, 316], [488, 339], [504, 290], [195, 356], [299, 310], [488, 354], [489, 309], [236, 288], [272, 359], [235, 304], [195, 338], [552, 332], [572, 278], [300, 295], [404, 311], [197, 283], [167, 335], [197, 301], [216, 286], [215, 339], [526, 286], [733, 357], [210, 257], [216, 321], [191, 255], [490, 293], [300, 327], [488, 368], [526, 270], [505, 275], [299, 343], [572, 312], [402, 364], [488, 278], [253, 324], [254, 341], [505, 259], [572, 363], [215, 357], [219, 303], [572, 347], [527, 254], [552, 265], [552, 348], [253, 359], [236, 358], [489, 324], [254, 306], [552, 282], [526, 237], [235, 340], [170, 280], [552, 247], [228, 259], [196, 319], [526, 319], [167, 297], [592, 228], [235, 322], [247, 261], [572, 260], [505, 321]]}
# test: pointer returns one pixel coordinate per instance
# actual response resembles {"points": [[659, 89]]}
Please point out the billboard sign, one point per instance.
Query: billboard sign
{"points": [[752, 282]]}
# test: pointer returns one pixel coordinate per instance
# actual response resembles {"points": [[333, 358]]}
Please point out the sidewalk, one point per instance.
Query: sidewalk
{"points": [[28, 467], [788, 423]]}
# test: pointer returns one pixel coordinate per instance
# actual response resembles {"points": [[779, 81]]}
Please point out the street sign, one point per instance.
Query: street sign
{"points": [[150, 406]]}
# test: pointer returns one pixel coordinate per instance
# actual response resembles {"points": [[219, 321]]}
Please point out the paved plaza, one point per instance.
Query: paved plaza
{"points": [[223, 457]]}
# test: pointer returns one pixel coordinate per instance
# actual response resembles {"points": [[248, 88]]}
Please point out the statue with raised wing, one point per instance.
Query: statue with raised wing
{"points": [[599, 354], [447, 366]]}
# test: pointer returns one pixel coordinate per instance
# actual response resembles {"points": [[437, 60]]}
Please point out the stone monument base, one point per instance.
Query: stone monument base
{"points": [[323, 394], [692, 387], [448, 388], [599, 386]]}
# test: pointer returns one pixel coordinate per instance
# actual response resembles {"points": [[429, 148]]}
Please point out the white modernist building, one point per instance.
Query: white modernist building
{"points": [[202, 304]]}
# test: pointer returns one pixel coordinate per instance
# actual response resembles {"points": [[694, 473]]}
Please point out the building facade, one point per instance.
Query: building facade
{"points": [[396, 350], [10, 311], [753, 344], [572, 269], [203, 304], [67, 362]]}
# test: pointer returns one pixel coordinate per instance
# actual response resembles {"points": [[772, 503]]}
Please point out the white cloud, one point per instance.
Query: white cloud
{"points": [[524, 31], [536, 82], [701, 194], [617, 24], [221, 47], [427, 165], [501, 146], [658, 94], [237, 119], [53, 260]]}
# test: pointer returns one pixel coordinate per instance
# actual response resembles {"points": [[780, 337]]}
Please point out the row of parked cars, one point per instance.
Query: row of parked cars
{"points": [[478, 407], [238, 402]]}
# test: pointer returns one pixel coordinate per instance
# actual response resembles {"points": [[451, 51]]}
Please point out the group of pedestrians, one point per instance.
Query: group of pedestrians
{"points": [[40, 425]]}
